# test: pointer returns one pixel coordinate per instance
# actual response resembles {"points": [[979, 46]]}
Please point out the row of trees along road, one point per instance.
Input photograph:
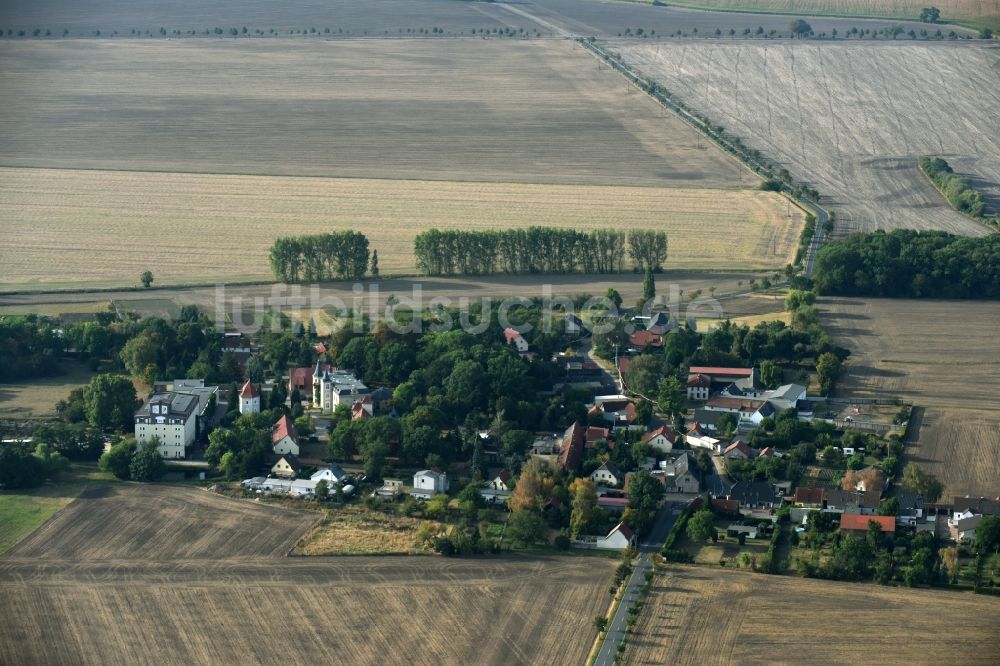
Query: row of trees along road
{"points": [[538, 250], [341, 255]]}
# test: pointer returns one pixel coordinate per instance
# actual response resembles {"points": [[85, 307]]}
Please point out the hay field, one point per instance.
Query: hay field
{"points": [[539, 111], [943, 357], [177, 575], [710, 616], [851, 119], [208, 228]]}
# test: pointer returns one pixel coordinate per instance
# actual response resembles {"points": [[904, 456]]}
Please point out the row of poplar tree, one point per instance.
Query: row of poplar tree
{"points": [[341, 255], [344, 255], [538, 250]]}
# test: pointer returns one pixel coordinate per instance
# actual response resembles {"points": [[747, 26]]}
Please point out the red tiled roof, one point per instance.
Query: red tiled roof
{"points": [[320, 348], [739, 445], [857, 522], [809, 495], [510, 334], [740, 404], [249, 390], [284, 428], [595, 433], [571, 450], [666, 431], [699, 380], [643, 338], [726, 372], [612, 501]]}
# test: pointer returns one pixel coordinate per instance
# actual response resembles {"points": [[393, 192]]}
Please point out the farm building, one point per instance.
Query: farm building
{"points": [[429, 482]]}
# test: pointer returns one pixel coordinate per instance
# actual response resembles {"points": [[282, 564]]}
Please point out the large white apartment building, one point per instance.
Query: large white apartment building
{"points": [[170, 416]]}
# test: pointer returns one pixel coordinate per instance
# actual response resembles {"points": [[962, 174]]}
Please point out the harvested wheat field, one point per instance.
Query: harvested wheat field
{"points": [[943, 357], [160, 522], [69, 217], [538, 111], [166, 574], [851, 119], [709, 616], [979, 11]]}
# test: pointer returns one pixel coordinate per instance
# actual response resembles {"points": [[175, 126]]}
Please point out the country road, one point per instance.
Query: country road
{"points": [[615, 632]]}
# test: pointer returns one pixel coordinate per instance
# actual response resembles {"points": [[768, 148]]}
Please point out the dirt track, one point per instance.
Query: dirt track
{"points": [[163, 574]]}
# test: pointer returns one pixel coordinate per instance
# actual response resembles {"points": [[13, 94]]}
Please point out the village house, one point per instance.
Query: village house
{"points": [[249, 399], [786, 396], [698, 387], [697, 437], [809, 498], [621, 537], [857, 524], [595, 434], [286, 466], [502, 481], [574, 325], [429, 482], [662, 439], [332, 474], [608, 474], [301, 380], [911, 508], [755, 496], [363, 409], [642, 339], [515, 339], [738, 450], [858, 502], [749, 411], [284, 437], [708, 420], [172, 419], [617, 410], [744, 387], [682, 474]]}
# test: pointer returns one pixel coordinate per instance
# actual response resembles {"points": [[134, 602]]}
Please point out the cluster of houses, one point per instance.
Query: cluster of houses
{"points": [[284, 479]]}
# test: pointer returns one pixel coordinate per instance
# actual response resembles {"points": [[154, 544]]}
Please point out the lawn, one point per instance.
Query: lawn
{"points": [[38, 398], [22, 511]]}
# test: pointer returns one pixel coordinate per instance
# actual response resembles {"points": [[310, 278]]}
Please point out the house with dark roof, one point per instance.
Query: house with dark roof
{"points": [[683, 474], [911, 508], [286, 466], [749, 411], [608, 474], [171, 418], [617, 410], [755, 495], [809, 498]]}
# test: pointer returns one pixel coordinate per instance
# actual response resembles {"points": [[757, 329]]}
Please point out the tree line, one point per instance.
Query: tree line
{"points": [[341, 255], [956, 189], [538, 250], [906, 263]]}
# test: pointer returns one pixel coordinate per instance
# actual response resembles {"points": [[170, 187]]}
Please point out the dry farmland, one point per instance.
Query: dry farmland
{"points": [[178, 575], [943, 357], [163, 522], [709, 616], [851, 119], [69, 217], [986, 11], [461, 109]]}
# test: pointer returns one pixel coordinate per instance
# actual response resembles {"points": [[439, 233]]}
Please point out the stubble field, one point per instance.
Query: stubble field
{"points": [[851, 119], [985, 11], [943, 357], [177, 575], [60, 220], [709, 616], [463, 109]]}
